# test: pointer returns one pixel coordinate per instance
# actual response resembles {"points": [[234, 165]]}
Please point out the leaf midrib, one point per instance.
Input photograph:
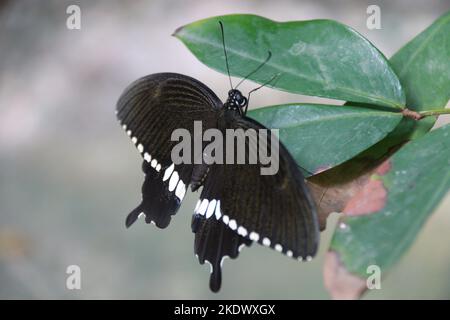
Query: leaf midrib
{"points": [[399, 250], [358, 93], [422, 46], [342, 115]]}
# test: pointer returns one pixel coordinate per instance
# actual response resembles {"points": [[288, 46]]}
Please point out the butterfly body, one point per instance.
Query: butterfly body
{"points": [[237, 205], [235, 101]]}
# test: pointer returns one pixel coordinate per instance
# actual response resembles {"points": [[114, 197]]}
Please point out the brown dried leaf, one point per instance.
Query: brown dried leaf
{"points": [[333, 189], [340, 283]]}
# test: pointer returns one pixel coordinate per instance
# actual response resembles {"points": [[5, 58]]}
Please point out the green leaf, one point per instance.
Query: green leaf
{"points": [[403, 193], [323, 136], [318, 57], [423, 66]]}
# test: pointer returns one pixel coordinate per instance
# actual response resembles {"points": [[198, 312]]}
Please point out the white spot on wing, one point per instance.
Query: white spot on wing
{"points": [[147, 157], [242, 231], [203, 207], [232, 224], [168, 172], [254, 236], [173, 181], [211, 207], [225, 219], [197, 206], [223, 259], [218, 213], [140, 148], [289, 253], [154, 163], [278, 247], [134, 140], [210, 266], [181, 190], [158, 167], [266, 242]]}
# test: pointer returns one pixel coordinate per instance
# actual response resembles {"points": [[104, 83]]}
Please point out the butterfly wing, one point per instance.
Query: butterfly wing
{"points": [[274, 210], [214, 241], [149, 110]]}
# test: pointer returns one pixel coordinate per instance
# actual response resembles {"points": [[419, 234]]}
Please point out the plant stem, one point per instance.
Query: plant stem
{"points": [[417, 115], [411, 114], [434, 112]]}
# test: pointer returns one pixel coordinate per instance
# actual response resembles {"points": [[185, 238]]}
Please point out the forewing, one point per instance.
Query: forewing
{"points": [[149, 110]]}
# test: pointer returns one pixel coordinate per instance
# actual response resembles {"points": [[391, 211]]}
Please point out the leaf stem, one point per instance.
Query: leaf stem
{"points": [[434, 112], [417, 115], [411, 114]]}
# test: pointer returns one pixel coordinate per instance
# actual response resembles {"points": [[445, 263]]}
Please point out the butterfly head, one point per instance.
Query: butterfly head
{"points": [[236, 101]]}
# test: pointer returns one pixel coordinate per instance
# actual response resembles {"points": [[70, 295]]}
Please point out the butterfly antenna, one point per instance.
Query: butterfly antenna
{"points": [[257, 69], [225, 52], [275, 77]]}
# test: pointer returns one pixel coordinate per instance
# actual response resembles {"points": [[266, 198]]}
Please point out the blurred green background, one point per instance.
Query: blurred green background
{"points": [[69, 174]]}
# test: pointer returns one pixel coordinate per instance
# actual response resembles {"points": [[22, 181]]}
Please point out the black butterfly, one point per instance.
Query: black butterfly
{"points": [[237, 205]]}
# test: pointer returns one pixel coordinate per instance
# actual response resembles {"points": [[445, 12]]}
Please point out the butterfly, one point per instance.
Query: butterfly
{"points": [[238, 206]]}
